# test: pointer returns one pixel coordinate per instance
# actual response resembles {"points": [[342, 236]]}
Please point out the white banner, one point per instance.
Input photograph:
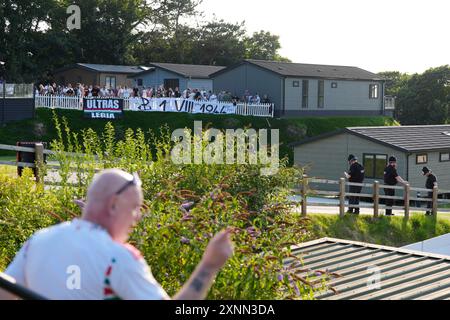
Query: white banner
{"points": [[181, 105]]}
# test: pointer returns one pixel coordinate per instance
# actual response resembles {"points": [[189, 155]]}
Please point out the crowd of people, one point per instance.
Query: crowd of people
{"points": [[148, 92]]}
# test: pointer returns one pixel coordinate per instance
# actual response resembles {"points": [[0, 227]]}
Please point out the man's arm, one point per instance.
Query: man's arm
{"points": [[5, 295], [217, 253], [400, 179]]}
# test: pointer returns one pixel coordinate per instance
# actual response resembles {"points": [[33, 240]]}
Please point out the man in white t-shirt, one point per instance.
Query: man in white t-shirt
{"points": [[89, 258]]}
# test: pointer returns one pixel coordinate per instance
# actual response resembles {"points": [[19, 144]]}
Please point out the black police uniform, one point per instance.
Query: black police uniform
{"points": [[390, 175], [429, 184], [356, 173]]}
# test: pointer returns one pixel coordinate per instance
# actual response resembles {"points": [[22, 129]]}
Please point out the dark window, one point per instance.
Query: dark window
{"points": [[305, 87], [373, 91], [139, 82], [421, 158], [444, 157], [171, 83], [320, 91], [110, 82], [374, 165], [296, 83], [334, 85]]}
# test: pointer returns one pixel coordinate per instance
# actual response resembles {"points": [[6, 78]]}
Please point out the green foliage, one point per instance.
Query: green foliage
{"points": [[389, 231], [24, 208], [263, 45], [425, 98], [185, 206], [317, 126], [394, 81]]}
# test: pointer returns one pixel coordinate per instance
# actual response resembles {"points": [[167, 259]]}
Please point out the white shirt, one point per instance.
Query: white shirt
{"points": [[79, 260]]}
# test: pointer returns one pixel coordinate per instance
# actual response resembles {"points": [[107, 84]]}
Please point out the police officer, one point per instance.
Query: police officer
{"points": [[355, 174], [429, 184], [391, 178]]}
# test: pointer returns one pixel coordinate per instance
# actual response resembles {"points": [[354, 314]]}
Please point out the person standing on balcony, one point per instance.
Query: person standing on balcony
{"points": [[355, 175], [391, 178]]}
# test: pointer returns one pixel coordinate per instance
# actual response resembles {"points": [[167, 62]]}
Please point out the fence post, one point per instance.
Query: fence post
{"points": [[406, 197], [39, 156], [376, 198], [341, 197], [304, 195], [435, 198]]}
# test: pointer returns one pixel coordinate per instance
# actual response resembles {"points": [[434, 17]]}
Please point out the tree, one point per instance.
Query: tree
{"points": [[263, 45], [426, 97], [169, 15], [394, 81], [21, 25], [219, 43], [108, 28]]}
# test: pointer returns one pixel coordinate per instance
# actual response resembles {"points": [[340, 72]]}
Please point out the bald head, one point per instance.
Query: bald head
{"points": [[114, 211], [107, 183]]}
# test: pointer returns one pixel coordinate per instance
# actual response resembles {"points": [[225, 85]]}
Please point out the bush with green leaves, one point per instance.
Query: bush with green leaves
{"points": [[185, 205]]}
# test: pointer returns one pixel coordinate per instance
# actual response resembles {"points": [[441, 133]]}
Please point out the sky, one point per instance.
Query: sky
{"points": [[409, 36]]}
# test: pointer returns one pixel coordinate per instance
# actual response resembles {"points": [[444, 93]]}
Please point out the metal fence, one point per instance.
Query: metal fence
{"points": [[76, 103], [17, 90]]}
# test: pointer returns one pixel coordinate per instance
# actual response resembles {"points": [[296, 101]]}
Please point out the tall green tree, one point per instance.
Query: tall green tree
{"points": [[219, 43], [426, 98], [263, 45], [174, 20], [21, 23], [394, 81], [108, 28]]}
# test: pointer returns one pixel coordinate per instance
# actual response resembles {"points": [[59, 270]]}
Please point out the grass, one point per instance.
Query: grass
{"points": [[389, 231], [7, 158], [42, 129]]}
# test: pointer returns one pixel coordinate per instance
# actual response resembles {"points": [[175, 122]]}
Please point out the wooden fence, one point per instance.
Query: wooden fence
{"points": [[39, 164], [408, 198]]}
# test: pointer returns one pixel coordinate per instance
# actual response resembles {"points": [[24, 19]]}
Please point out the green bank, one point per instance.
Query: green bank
{"points": [[42, 128]]}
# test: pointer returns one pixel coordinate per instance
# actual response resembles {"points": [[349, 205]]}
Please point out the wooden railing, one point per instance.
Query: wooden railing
{"points": [[408, 198], [39, 163]]}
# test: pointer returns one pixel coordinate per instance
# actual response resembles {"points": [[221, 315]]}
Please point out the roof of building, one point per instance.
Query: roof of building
{"points": [[438, 245], [354, 268], [186, 70], [290, 69], [402, 138], [105, 68]]}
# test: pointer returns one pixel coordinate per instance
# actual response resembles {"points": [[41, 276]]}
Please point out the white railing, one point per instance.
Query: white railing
{"points": [[257, 110], [58, 102], [76, 103]]}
